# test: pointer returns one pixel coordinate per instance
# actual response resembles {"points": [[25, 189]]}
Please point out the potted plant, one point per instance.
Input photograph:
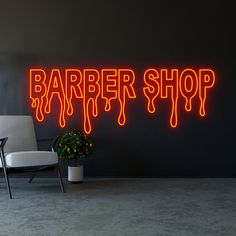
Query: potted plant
{"points": [[74, 145]]}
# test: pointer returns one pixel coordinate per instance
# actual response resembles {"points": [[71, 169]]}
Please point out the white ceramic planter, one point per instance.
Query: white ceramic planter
{"points": [[75, 174]]}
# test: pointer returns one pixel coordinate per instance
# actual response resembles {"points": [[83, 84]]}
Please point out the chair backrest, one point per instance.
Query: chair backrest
{"points": [[20, 133]]}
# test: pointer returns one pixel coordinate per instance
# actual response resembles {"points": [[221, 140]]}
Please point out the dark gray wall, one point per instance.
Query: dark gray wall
{"points": [[136, 34]]}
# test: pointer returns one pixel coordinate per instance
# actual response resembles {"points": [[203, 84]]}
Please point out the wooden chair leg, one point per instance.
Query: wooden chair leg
{"points": [[32, 177], [60, 179], [7, 181], [4, 166]]}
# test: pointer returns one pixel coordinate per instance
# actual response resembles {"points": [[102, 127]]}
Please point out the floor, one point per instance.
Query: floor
{"points": [[120, 207]]}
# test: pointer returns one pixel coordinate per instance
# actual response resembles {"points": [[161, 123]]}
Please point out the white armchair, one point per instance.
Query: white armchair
{"points": [[18, 147]]}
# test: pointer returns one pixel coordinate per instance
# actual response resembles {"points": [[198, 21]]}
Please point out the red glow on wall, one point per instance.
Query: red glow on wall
{"points": [[172, 83], [87, 85], [116, 85]]}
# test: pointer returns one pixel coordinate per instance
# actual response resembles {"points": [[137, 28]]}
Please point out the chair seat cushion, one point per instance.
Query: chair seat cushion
{"points": [[30, 158]]}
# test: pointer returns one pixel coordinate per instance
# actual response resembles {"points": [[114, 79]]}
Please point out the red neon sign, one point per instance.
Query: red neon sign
{"points": [[171, 83], [89, 85]]}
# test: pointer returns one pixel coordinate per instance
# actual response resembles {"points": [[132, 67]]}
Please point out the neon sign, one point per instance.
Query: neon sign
{"points": [[172, 83], [115, 85], [88, 85]]}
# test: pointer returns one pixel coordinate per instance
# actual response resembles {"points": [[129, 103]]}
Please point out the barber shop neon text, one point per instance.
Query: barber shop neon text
{"points": [[88, 86]]}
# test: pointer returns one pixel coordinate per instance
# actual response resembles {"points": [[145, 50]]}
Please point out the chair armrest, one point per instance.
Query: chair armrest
{"points": [[54, 143], [2, 143], [53, 140]]}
